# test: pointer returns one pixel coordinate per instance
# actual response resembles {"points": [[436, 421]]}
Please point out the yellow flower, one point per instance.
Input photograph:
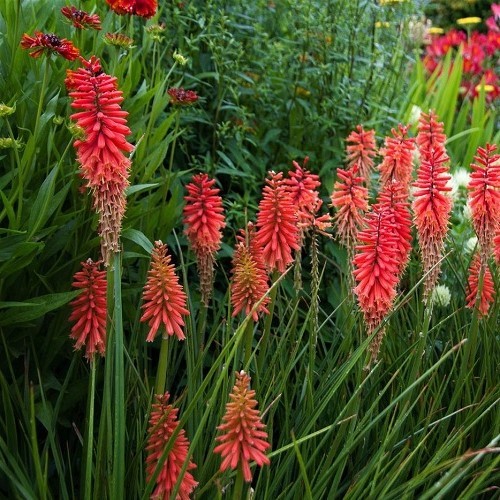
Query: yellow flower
{"points": [[468, 20], [382, 24], [180, 59], [486, 87], [435, 31]]}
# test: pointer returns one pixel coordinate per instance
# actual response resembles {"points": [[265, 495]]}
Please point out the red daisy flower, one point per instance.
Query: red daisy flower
{"points": [[361, 151], [81, 19], [142, 8], [244, 438], [277, 232], [484, 197], [103, 164], [162, 424], [250, 280], [89, 309], [163, 296], [488, 292], [397, 163], [204, 220], [181, 97], [48, 43]]}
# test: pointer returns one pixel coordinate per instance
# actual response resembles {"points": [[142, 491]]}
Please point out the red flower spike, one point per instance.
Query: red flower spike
{"points": [[81, 19], [250, 281], [376, 270], [204, 220], [361, 151], [496, 246], [48, 43], [432, 208], [484, 197], [181, 97], [488, 291], [89, 309], [397, 163], [244, 438], [141, 8], [163, 296], [350, 198], [100, 154], [430, 135], [162, 424], [277, 232]]}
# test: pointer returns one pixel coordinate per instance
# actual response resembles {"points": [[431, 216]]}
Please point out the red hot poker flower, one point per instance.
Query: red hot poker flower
{"points": [[100, 153], [204, 220], [163, 296], [89, 309], [49, 43], [397, 163], [361, 151], [141, 8], [430, 135], [181, 97], [488, 292], [277, 232], [244, 438], [484, 197], [81, 19], [250, 281], [162, 424]]}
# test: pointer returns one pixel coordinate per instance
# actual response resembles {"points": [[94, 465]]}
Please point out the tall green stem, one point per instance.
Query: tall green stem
{"points": [[161, 374], [90, 433], [238, 485], [41, 101], [267, 324], [248, 342]]}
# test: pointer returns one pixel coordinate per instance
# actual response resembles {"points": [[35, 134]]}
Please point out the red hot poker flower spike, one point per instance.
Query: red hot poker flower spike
{"points": [[162, 424], [89, 309], [430, 135], [488, 291], [81, 19], [361, 151], [164, 298], [141, 8], [250, 281], [244, 438], [204, 220], [48, 43], [277, 232], [484, 197]]}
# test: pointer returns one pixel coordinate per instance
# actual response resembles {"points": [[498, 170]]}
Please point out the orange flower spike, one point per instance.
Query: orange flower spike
{"points": [[361, 150], [430, 134], [397, 163], [163, 296], [89, 309], [488, 292], [162, 424], [250, 280], [496, 246], [350, 198], [484, 197], [244, 438], [277, 232], [204, 220]]}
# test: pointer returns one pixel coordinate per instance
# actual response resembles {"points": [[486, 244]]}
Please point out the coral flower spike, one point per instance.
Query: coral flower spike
{"points": [[244, 438], [277, 232], [162, 424], [361, 150], [204, 220], [164, 298], [487, 297], [89, 309]]}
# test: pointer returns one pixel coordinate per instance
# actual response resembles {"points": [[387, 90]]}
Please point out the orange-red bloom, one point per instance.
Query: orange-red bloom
{"points": [[361, 151], [277, 232], [142, 8], [397, 163], [350, 198], [496, 246], [244, 438], [250, 280], [484, 197], [89, 309], [162, 424], [49, 43], [488, 291], [204, 220], [181, 97], [81, 19], [163, 296], [430, 135], [103, 164]]}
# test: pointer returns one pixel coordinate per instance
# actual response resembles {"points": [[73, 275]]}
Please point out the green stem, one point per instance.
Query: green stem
{"points": [[90, 433], [119, 386], [238, 485], [42, 98], [161, 374], [267, 324], [248, 342]]}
